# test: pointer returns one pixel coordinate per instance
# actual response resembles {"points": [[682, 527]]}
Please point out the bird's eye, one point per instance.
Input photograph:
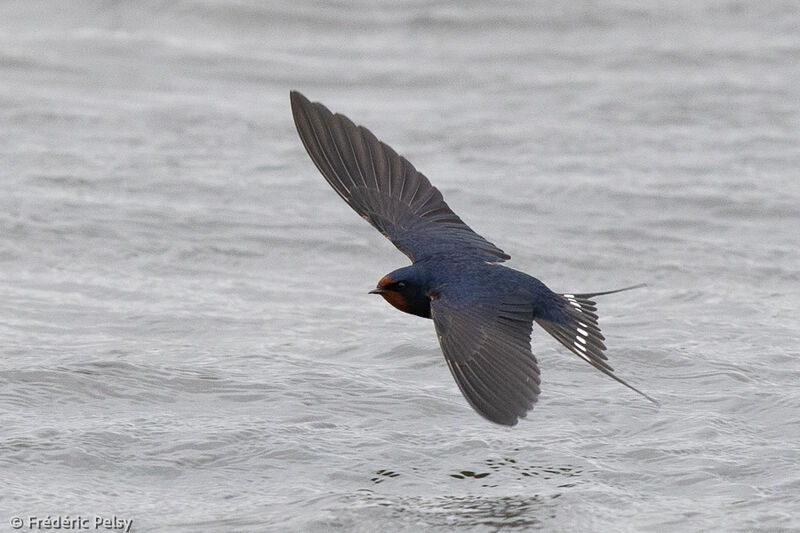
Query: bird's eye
{"points": [[401, 285]]}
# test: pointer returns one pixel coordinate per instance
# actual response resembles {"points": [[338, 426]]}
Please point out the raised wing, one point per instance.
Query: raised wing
{"points": [[384, 188], [487, 345]]}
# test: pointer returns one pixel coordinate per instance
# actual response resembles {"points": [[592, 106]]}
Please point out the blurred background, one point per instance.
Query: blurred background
{"points": [[187, 341]]}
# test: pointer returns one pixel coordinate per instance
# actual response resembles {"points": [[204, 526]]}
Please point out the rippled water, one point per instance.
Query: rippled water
{"points": [[187, 341]]}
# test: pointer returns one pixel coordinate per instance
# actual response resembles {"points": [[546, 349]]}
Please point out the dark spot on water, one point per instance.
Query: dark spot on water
{"points": [[467, 473], [382, 474], [508, 464]]}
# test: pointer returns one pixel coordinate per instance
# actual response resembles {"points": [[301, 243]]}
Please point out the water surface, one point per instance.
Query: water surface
{"points": [[187, 338]]}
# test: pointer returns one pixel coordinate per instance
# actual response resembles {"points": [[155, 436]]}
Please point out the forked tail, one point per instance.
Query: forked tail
{"points": [[579, 332]]}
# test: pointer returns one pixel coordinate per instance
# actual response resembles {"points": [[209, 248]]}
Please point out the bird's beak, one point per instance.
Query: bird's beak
{"points": [[376, 291]]}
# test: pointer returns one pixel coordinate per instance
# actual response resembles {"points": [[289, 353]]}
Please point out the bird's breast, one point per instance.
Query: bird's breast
{"points": [[396, 300], [419, 307]]}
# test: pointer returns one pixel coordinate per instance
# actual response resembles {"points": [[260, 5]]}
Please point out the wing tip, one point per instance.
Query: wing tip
{"points": [[296, 96], [297, 101], [301, 113], [301, 104], [509, 420]]}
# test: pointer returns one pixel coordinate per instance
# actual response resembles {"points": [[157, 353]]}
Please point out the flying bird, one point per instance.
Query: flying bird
{"points": [[483, 311]]}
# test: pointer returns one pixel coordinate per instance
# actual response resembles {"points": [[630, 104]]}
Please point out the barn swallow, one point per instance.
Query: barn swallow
{"points": [[483, 312]]}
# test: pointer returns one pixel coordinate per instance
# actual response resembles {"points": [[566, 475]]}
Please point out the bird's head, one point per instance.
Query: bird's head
{"points": [[406, 291]]}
